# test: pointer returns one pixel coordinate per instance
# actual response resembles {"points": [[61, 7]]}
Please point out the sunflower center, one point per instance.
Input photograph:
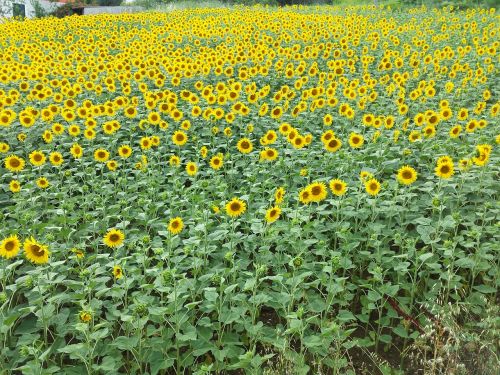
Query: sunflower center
{"points": [[333, 143], [175, 224], [15, 163], [373, 186], [337, 187], [179, 137], [355, 140], [407, 175], [273, 213], [10, 245], [235, 206], [316, 190], [445, 169], [245, 145], [216, 161], [101, 154], [37, 157], [114, 237], [37, 250]]}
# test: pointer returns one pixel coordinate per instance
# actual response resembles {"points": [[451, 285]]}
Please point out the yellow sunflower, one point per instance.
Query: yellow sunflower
{"points": [[14, 163], [273, 214], [117, 272], [114, 238], [407, 175], [444, 170], [76, 150], [9, 247], [179, 138], [101, 155], [37, 158], [175, 225], [191, 168], [305, 196], [338, 187], [356, 140], [333, 145], [216, 162], [235, 207], [56, 158], [245, 145], [124, 151], [174, 161], [318, 191], [372, 186], [279, 195], [42, 183], [35, 252], [15, 186]]}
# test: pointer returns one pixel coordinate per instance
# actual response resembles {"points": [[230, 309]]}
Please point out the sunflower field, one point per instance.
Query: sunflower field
{"points": [[304, 190]]}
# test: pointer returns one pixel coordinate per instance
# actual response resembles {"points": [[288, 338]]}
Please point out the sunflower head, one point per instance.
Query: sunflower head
{"points": [[114, 238], [235, 207], [372, 186], [273, 214], [117, 272], [9, 247], [338, 187], [175, 225], [407, 175], [35, 252]]}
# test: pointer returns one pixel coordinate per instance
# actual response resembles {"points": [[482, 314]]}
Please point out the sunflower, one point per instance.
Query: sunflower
{"points": [[285, 128], [407, 175], [101, 155], [464, 164], [179, 138], [114, 238], [9, 247], [273, 214], [216, 162], [35, 252], [444, 169], [174, 161], [14, 163], [333, 145], [15, 186], [76, 150], [279, 195], [175, 225], [245, 145], [235, 207], [455, 131], [117, 272], [305, 196], [112, 165], [56, 158], [42, 183], [85, 316], [37, 158], [124, 151], [356, 140], [191, 168], [268, 154], [145, 143], [79, 253], [318, 191], [338, 187], [4, 147], [372, 186]]}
